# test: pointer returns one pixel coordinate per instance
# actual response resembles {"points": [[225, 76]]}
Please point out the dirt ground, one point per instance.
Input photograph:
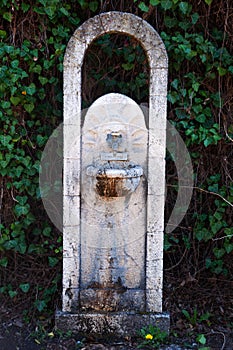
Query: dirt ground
{"points": [[16, 336], [217, 327]]}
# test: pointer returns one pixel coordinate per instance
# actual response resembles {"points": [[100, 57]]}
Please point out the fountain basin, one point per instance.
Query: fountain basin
{"points": [[115, 181]]}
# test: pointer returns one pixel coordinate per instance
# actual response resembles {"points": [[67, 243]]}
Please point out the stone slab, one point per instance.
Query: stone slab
{"points": [[113, 324], [116, 299]]}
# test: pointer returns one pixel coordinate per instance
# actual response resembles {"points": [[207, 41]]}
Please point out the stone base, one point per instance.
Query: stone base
{"points": [[116, 324]]}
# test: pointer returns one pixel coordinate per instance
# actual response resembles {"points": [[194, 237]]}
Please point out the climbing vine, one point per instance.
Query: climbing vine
{"points": [[33, 38]]}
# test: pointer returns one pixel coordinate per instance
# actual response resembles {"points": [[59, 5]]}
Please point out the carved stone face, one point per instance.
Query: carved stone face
{"points": [[114, 146], [114, 123]]}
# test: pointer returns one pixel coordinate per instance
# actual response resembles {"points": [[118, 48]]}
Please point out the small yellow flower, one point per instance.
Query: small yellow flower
{"points": [[149, 336], [24, 93]]}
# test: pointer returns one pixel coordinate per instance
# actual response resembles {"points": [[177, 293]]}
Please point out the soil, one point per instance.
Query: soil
{"points": [[16, 336]]}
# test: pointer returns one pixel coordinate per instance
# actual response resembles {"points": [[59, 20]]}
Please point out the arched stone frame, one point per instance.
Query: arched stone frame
{"points": [[129, 24]]}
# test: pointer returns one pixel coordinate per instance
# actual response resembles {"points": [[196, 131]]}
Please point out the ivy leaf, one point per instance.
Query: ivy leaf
{"points": [[173, 97], [208, 263], [7, 16], [5, 104], [18, 171], [131, 57], [143, 6], [22, 209], [43, 80], [25, 7], [195, 18], [15, 63], [31, 89], [53, 261], [21, 248], [15, 100], [47, 231], [4, 262], [127, 66], [201, 118], [217, 215], [3, 33], [203, 234], [216, 227], [195, 86], [229, 231], [41, 140], [184, 6], [5, 139], [12, 293], [24, 287], [208, 2], [64, 11], [221, 71], [166, 4], [93, 6], [83, 3], [154, 2], [29, 107], [36, 69], [175, 83], [40, 305], [228, 247], [170, 22], [9, 49], [50, 11], [208, 141], [219, 252], [22, 199], [32, 248]]}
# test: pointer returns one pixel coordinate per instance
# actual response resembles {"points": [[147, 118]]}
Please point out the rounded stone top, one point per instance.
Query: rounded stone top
{"points": [[116, 22], [114, 109]]}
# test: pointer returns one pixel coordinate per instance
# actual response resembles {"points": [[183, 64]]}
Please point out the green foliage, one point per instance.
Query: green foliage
{"points": [[194, 319], [124, 68], [201, 339], [152, 337], [31, 107], [42, 336], [198, 64], [214, 227]]}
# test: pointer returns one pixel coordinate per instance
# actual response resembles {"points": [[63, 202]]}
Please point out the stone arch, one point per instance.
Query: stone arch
{"points": [[113, 22], [124, 23]]}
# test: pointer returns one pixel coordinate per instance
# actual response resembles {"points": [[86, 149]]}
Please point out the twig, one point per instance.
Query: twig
{"points": [[202, 190], [224, 338], [216, 194], [227, 135], [14, 199], [223, 237], [172, 267]]}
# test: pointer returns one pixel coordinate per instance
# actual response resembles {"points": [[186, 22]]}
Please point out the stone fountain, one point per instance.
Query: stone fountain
{"points": [[113, 193]]}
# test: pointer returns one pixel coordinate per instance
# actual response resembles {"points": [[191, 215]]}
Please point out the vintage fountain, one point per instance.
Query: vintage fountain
{"points": [[114, 190]]}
